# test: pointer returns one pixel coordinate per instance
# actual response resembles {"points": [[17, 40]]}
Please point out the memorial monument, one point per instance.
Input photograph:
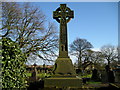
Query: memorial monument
{"points": [[63, 65], [64, 74]]}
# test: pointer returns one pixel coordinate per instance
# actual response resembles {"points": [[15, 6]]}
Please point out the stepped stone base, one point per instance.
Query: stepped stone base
{"points": [[64, 75], [61, 82], [64, 66]]}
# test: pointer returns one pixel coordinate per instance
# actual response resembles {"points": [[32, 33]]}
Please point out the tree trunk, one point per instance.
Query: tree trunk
{"points": [[80, 61]]}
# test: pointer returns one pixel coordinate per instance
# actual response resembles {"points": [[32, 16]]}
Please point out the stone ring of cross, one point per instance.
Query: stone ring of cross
{"points": [[63, 13]]}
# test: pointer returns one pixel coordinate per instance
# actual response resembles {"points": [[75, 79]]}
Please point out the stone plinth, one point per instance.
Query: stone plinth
{"points": [[64, 66], [64, 75], [60, 82]]}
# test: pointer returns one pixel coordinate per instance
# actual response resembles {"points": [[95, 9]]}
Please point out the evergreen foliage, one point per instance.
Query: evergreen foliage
{"points": [[13, 65]]}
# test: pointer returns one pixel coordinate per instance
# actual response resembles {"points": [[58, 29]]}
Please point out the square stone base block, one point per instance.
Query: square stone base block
{"points": [[72, 82]]}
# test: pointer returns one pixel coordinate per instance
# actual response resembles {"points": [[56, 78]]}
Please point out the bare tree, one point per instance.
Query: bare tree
{"points": [[77, 48], [10, 18], [110, 53], [98, 60], [25, 24], [93, 59], [87, 58]]}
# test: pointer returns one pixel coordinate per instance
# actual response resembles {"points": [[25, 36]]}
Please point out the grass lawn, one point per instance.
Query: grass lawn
{"points": [[41, 75], [85, 76], [28, 74], [93, 82]]}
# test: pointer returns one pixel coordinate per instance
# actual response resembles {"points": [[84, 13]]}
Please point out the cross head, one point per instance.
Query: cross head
{"points": [[63, 13]]}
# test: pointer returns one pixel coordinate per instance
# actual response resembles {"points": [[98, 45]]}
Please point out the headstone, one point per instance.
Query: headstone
{"points": [[117, 74], [110, 74], [33, 77], [111, 77], [104, 77], [64, 72], [107, 76], [34, 73], [95, 75]]}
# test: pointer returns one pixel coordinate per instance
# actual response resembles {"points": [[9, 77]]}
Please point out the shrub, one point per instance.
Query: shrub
{"points": [[13, 65]]}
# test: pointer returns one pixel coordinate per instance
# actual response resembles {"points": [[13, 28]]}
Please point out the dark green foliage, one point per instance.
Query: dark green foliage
{"points": [[13, 68]]}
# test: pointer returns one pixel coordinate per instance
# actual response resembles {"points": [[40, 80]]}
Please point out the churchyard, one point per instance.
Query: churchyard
{"points": [[91, 80], [63, 75]]}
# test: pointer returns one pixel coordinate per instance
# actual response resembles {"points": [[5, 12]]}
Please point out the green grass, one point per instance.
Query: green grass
{"points": [[85, 76], [93, 82], [41, 75], [28, 74]]}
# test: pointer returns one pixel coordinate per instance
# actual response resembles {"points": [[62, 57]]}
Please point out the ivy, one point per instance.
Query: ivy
{"points": [[13, 65]]}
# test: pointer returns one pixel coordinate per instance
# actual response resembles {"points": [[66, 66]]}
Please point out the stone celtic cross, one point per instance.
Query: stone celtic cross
{"points": [[63, 15], [64, 74]]}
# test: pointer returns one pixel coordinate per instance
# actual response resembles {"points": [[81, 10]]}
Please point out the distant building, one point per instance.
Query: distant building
{"points": [[40, 68]]}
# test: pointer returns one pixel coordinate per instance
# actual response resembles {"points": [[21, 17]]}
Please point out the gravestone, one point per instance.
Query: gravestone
{"points": [[111, 77], [95, 75], [117, 74], [110, 74], [33, 77], [104, 76], [64, 72], [34, 73], [107, 75]]}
